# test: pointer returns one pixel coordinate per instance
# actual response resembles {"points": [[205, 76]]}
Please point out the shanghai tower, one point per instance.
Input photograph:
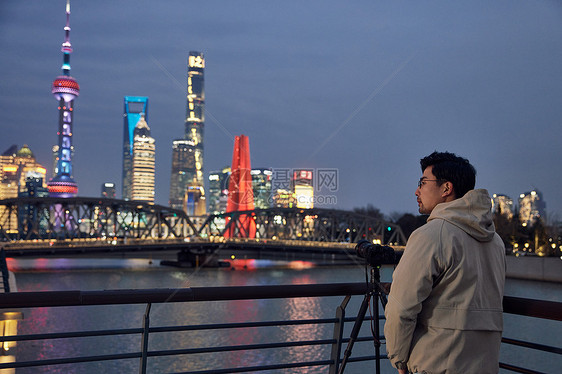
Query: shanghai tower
{"points": [[186, 183], [65, 89]]}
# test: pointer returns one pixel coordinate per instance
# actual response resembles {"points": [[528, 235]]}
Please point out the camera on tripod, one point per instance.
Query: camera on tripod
{"points": [[376, 254]]}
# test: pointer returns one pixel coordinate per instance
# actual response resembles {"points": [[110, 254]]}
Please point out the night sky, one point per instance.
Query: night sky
{"points": [[366, 88]]}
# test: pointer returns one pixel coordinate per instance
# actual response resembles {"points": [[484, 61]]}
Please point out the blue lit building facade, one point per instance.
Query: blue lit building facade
{"points": [[135, 109]]}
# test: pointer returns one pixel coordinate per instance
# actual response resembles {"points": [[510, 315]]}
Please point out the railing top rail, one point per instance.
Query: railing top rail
{"points": [[144, 296], [514, 305], [533, 308]]}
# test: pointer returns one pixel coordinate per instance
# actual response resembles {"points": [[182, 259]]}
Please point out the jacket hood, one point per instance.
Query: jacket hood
{"points": [[472, 213]]}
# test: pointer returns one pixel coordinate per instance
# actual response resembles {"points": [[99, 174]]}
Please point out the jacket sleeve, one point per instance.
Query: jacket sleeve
{"points": [[412, 283]]}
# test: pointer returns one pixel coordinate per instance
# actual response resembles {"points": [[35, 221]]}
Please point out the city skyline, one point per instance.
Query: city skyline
{"points": [[366, 89]]}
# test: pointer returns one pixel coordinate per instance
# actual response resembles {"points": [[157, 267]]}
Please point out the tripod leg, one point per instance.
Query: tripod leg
{"points": [[377, 334], [355, 331]]}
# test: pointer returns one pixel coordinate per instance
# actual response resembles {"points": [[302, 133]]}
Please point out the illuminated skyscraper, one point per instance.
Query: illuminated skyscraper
{"points": [[261, 186], [502, 204], [218, 190], [195, 117], [135, 107], [108, 190], [34, 187], [283, 199], [8, 173], [531, 207], [142, 188], [186, 183], [16, 167], [304, 191], [183, 171], [65, 89]]}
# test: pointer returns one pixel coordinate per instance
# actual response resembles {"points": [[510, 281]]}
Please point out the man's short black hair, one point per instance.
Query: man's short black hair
{"points": [[450, 167]]}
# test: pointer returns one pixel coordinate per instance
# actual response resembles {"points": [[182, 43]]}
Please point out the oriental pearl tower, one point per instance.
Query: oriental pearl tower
{"points": [[65, 89]]}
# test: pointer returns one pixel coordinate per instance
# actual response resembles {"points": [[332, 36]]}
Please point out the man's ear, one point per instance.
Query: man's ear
{"points": [[448, 191]]}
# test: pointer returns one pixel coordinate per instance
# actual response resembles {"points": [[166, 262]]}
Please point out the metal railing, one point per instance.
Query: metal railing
{"points": [[332, 346]]}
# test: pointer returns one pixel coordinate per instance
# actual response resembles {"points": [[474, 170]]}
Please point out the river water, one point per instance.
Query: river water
{"points": [[107, 274]]}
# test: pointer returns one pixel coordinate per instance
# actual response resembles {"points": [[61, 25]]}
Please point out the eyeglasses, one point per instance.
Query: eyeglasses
{"points": [[422, 181]]}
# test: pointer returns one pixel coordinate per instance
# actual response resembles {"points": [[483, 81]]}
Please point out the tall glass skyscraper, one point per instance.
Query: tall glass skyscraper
{"points": [[186, 183], [65, 89], [261, 185], [218, 190], [183, 171], [135, 108]]}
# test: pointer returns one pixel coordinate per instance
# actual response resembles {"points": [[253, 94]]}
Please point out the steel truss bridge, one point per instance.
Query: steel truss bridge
{"points": [[131, 225], [319, 225]]}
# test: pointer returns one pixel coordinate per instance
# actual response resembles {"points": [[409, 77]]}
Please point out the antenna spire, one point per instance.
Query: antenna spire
{"points": [[66, 46]]}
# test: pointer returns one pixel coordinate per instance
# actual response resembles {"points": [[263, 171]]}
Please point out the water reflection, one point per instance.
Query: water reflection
{"points": [[54, 264], [253, 264], [305, 308]]}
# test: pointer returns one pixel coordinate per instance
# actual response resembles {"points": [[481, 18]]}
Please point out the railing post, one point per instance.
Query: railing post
{"points": [[338, 335], [4, 271], [144, 341]]}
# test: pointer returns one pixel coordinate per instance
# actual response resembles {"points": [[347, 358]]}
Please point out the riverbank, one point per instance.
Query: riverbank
{"points": [[547, 269]]}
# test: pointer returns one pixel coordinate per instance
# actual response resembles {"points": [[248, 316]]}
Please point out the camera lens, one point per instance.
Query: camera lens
{"points": [[376, 254]]}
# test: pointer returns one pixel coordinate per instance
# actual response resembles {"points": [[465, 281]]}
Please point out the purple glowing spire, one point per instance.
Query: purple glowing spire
{"points": [[65, 89]]}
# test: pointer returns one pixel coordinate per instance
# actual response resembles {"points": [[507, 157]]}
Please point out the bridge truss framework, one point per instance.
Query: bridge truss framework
{"points": [[89, 218], [98, 218], [318, 224]]}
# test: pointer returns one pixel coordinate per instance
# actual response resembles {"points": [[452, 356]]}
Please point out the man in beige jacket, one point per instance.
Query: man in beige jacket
{"points": [[444, 311]]}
